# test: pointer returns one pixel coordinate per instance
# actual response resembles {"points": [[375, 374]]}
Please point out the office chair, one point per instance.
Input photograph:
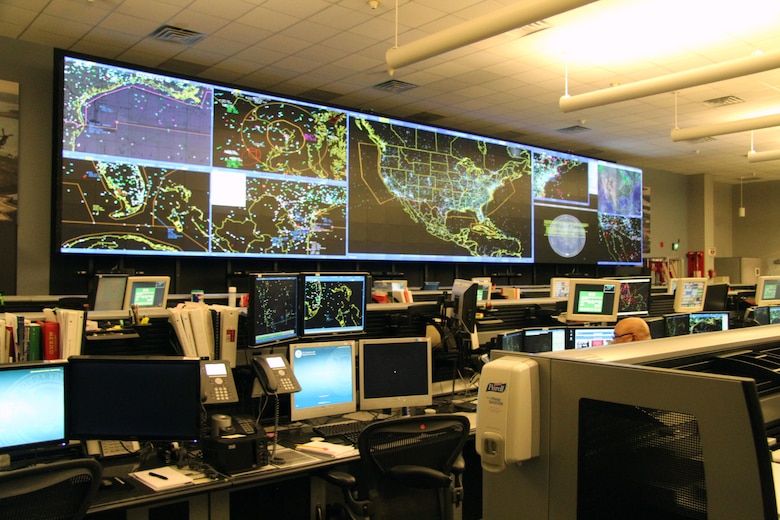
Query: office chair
{"points": [[410, 469], [50, 491]]}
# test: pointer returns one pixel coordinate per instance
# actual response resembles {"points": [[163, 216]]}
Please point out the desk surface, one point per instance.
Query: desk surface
{"points": [[133, 493]]}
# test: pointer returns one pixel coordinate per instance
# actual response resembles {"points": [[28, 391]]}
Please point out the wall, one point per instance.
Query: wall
{"points": [[31, 66], [755, 235]]}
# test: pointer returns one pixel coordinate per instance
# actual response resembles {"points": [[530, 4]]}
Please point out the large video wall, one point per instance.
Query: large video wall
{"points": [[154, 164]]}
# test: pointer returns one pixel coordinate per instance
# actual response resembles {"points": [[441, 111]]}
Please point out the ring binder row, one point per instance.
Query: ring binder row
{"points": [[58, 336], [206, 331]]}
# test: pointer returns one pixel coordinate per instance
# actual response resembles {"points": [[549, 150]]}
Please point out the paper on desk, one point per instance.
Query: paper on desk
{"points": [[152, 478], [327, 449]]}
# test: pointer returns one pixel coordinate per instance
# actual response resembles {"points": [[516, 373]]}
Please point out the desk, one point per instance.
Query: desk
{"points": [[264, 493]]}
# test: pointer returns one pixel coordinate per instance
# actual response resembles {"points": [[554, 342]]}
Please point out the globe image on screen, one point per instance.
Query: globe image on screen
{"points": [[566, 235]]}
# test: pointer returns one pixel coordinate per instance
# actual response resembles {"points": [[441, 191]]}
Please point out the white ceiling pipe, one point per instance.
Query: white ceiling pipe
{"points": [[769, 155], [466, 33], [729, 127], [671, 82]]}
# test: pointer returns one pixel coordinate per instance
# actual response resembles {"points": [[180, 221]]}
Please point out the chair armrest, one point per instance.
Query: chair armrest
{"points": [[459, 466], [341, 479], [419, 476]]}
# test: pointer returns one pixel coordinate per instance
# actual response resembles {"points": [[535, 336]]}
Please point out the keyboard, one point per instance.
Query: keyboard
{"points": [[348, 431]]}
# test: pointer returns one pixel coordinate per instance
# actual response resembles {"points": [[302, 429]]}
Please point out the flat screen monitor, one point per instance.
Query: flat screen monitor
{"points": [[717, 297], [768, 290], [430, 286], [147, 292], [107, 292], [708, 321], [586, 337], [559, 287], [677, 324], [394, 372], [464, 302], [134, 398], [634, 296], [689, 294], [757, 315], [511, 340], [33, 399], [326, 373], [334, 303], [544, 339], [774, 314], [593, 300], [273, 308]]}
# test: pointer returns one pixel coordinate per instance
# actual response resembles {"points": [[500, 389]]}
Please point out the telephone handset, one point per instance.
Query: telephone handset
{"points": [[274, 374], [217, 385]]}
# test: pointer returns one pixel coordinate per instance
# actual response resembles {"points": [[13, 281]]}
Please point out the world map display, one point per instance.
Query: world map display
{"points": [[156, 164]]}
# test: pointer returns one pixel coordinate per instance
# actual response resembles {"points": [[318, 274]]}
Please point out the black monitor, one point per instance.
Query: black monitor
{"points": [[394, 372], [134, 398], [464, 302], [326, 372], [33, 399], [544, 339], [634, 296], [586, 337], [677, 324], [716, 297], [273, 308], [334, 303], [708, 321], [511, 340]]}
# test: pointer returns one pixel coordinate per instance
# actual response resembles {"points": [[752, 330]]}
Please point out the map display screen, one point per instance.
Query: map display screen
{"points": [[156, 164]]}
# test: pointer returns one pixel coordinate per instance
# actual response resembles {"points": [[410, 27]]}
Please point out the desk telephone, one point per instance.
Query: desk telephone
{"points": [[274, 374], [217, 385]]}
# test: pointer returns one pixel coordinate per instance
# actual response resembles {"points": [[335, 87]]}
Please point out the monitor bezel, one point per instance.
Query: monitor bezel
{"points": [[39, 444], [132, 280], [326, 410], [396, 401], [575, 288], [357, 329], [761, 284], [254, 339], [680, 304]]}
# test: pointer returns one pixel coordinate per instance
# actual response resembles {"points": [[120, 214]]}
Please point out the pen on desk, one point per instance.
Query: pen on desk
{"points": [[153, 474]]}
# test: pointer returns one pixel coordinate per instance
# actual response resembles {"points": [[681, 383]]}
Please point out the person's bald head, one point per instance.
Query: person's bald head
{"points": [[631, 329]]}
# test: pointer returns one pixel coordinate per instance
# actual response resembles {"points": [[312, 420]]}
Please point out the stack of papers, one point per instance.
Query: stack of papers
{"points": [[327, 449], [166, 477]]}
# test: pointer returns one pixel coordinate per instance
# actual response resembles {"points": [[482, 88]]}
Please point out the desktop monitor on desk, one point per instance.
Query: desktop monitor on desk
{"points": [[326, 373], [273, 311], [559, 287], [544, 339], [593, 300], [768, 290], [107, 292], [677, 324], [32, 407], [134, 398], [394, 373], [689, 294], [634, 296], [708, 321], [334, 303], [586, 337], [146, 292]]}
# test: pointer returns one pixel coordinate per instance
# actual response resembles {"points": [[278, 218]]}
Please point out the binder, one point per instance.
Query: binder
{"points": [[34, 342], [50, 339]]}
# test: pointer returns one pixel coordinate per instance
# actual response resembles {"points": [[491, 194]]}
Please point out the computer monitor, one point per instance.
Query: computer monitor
{"points": [[677, 324], [689, 294], [708, 321], [273, 310], [33, 399], [586, 337], [431, 286], [774, 314], [107, 292], [593, 300], [134, 398], [484, 286], [768, 290], [394, 372], [559, 287], [634, 296], [148, 292], [757, 315], [334, 303], [717, 297], [464, 302], [511, 340], [326, 373], [544, 339]]}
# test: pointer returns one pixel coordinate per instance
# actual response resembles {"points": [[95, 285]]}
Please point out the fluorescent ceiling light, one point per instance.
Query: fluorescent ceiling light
{"points": [[500, 21], [729, 127], [671, 82]]}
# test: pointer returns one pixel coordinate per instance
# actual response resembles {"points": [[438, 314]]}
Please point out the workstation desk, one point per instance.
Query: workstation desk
{"points": [[269, 492]]}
